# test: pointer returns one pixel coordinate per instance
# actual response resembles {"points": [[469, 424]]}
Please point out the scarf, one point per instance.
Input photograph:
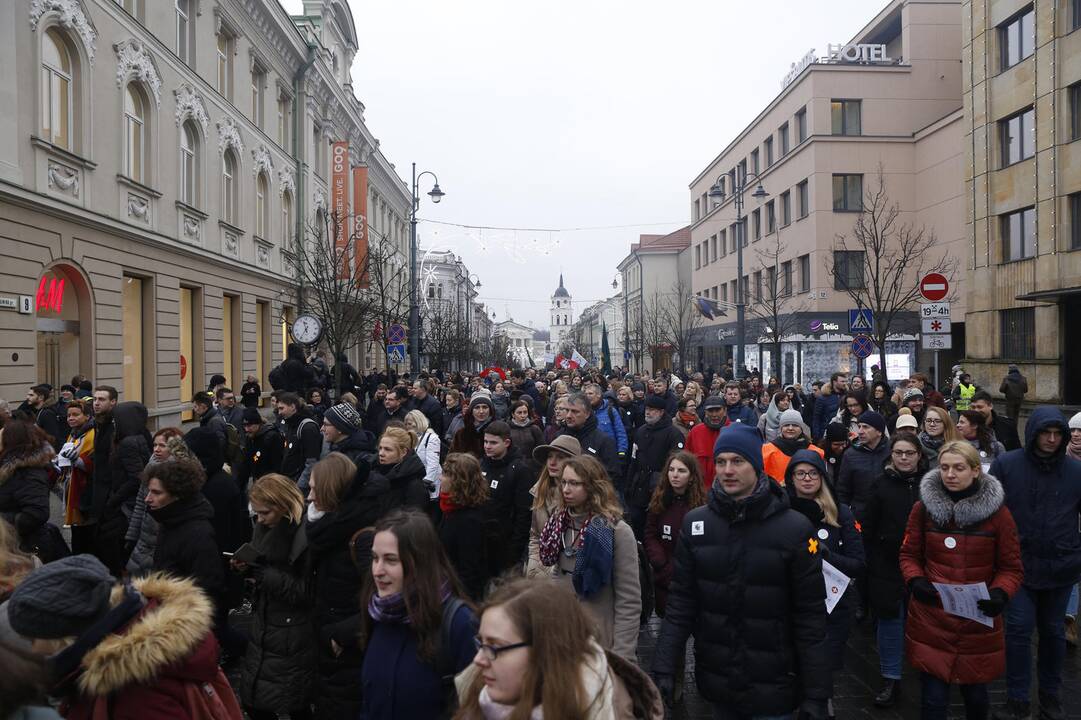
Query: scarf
{"points": [[931, 443], [595, 546], [392, 608], [446, 504], [551, 538], [687, 418], [789, 447], [515, 423], [1073, 450]]}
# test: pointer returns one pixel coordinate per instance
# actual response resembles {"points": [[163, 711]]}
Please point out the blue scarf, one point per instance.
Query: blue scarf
{"points": [[392, 608], [594, 562]]}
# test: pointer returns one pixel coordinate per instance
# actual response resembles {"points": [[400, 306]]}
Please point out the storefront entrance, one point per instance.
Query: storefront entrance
{"points": [[62, 352]]}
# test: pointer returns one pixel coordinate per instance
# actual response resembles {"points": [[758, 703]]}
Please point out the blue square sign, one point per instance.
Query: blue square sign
{"points": [[861, 320]]}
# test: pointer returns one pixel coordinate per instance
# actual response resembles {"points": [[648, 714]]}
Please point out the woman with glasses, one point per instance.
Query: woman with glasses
{"points": [[589, 547], [416, 629], [891, 501], [938, 429], [538, 656], [838, 540]]}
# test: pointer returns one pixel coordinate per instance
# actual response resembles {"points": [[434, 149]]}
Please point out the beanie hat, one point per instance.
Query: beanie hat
{"points": [[61, 599], [252, 416], [344, 417], [870, 417], [657, 402], [911, 393], [790, 417], [743, 440], [480, 398], [638, 386], [907, 420], [1075, 422], [836, 432]]}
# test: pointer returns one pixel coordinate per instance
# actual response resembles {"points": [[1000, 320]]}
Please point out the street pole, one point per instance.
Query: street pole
{"points": [[414, 309], [741, 305]]}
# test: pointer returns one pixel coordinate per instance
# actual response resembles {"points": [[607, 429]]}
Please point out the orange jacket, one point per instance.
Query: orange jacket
{"points": [[775, 462]]}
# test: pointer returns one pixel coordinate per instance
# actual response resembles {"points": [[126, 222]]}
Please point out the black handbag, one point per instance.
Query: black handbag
{"points": [[47, 543]]}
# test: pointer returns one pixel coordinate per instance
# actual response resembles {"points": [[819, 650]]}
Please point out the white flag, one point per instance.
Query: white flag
{"points": [[836, 584], [576, 357]]}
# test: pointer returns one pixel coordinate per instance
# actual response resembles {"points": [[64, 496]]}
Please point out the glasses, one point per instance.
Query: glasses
{"points": [[491, 652], [932, 421], [806, 475], [906, 453], [571, 483]]}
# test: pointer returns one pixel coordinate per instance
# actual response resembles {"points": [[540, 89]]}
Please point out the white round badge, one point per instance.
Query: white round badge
{"points": [[951, 543], [822, 534]]}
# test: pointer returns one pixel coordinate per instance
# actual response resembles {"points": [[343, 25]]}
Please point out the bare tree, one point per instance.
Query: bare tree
{"points": [[634, 335], [682, 320], [656, 333], [884, 261], [444, 332], [388, 278], [498, 353], [773, 304]]}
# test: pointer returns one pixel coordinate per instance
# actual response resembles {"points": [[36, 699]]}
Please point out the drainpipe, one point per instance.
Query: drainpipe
{"points": [[298, 79]]}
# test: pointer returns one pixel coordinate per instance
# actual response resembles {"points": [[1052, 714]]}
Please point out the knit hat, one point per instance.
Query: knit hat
{"points": [[1075, 422], [836, 432], [911, 393], [563, 444], [657, 402], [61, 599], [870, 417], [344, 417], [252, 416], [907, 421], [743, 440], [714, 401], [638, 387], [479, 398], [790, 417]]}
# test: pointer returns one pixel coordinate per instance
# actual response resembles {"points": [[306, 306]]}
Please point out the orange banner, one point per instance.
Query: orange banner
{"points": [[360, 224], [339, 203]]}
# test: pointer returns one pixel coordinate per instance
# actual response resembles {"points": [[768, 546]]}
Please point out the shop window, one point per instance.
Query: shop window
{"points": [[132, 322]]}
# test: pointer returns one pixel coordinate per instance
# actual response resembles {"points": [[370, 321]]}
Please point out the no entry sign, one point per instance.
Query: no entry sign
{"points": [[934, 286]]}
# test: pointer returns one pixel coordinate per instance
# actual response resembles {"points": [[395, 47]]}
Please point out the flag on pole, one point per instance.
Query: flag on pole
{"points": [[577, 358], [709, 308], [606, 353]]}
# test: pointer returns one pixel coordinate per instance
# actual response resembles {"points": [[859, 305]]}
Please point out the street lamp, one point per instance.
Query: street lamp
{"points": [[717, 192], [414, 308]]}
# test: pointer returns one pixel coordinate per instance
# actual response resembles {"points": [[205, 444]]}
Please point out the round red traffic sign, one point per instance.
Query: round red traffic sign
{"points": [[934, 286], [183, 367]]}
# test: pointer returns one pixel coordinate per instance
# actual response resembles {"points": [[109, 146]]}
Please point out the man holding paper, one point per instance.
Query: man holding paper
{"points": [[959, 535]]}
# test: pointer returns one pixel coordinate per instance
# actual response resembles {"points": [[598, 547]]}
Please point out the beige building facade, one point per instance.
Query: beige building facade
{"points": [[887, 101], [160, 162], [1022, 93]]}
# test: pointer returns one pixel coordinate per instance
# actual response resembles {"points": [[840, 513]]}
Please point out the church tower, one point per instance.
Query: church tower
{"points": [[561, 313]]}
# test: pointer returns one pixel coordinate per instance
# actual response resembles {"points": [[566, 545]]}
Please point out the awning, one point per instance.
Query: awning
{"points": [[1054, 295]]}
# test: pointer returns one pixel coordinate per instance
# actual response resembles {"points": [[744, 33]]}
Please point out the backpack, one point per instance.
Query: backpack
{"points": [[645, 580], [234, 450], [276, 378]]}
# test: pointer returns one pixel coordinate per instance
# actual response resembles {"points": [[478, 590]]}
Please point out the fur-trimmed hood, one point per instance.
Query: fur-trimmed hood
{"points": [[966, 512], [164, 637], [39, 457]]}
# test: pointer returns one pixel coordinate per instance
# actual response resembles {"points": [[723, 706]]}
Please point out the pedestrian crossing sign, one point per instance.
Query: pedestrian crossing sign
{"points": [[860, 320], [395, 353]]}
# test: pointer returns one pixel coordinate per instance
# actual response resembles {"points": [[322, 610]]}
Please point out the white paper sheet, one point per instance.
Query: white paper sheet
{"points": [[836, 584], [960, 600]]}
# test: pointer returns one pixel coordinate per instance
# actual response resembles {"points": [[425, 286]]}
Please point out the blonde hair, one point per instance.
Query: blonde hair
{"points": [[949, 431], [825, 501], [964, 449], [280, 493], [404, 439], [335, 474], [420, 421]]}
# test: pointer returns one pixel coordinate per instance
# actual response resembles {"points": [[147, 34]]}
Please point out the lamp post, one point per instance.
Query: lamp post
{"points": [[717, 192], [414, 308]]}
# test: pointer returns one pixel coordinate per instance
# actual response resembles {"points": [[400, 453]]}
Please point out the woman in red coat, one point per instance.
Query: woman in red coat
{"points": [[679, 490], [959, 533]]}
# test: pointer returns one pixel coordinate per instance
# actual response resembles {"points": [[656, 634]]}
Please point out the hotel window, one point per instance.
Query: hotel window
{"points": [[804, 273], [848, 270], [756, 223], [225, 64], [786, 208], [258, 82], [845, 117], [804, 199], [1074, 202], [1018, 332], [782, 133], [262, 191], [786, 278], [189, 164], [57, 85], [184, 31], [754, 160], [1017, 137], [287, 217], [801, 125], [135, 133], [1074, 100], [229, 182], [771, 217], [848, 193], [1017, 38], [1018, 235], [768, 145], [723, 242]]}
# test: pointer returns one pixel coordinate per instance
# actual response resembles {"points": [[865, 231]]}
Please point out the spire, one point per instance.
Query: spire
{"points": [[560, 279]]}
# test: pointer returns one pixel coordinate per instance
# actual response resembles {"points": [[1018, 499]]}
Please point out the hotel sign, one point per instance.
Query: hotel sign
{"points": [[861, 53], [798, 67]]}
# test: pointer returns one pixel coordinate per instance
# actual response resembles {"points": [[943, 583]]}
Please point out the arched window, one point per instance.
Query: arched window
{"points": [[134, 133], [56, 90], [189, 164], [261, 190], [228, 186], [287, 216]]}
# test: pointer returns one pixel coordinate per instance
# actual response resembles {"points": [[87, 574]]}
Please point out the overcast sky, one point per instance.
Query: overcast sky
{"points": [[561, 114]]}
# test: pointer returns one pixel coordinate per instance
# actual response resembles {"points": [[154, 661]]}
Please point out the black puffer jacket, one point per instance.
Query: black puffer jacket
{"points": [[750, 589], [232, 524], [859, 468], [652, 444], [299, 376], [24, 492], [186, 544], [461, 533], [508, 512], [405, 485], [600, 445], [884, 525], [262, 454], [129, 456], [279, 663]]}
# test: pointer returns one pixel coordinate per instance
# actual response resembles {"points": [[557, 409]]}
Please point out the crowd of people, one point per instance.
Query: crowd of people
{"points": [[347, 545]]}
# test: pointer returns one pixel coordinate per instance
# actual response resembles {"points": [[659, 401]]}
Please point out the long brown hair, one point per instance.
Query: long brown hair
{"points": [[425, 568], [466, 486], [664, 494], [549, 617], [335, 474], [601, 496], [21, 439]]}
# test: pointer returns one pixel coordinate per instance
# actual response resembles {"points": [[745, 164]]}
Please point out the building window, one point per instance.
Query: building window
{"points": [[743, 231], [431, 291], [756, 223], [786, 208], [757, 287], [782, 133], [848, 270], [724, 293], [697, 210], [228, 186], [225, 64], [1074, 202], [733, 233], [287, 216], [131, 299], [801, 125], [1018, 328], [705, 253], [1017, 137], [804, 200], [131, 6], [134, 133], [786, 278], [189, 164], [713, 249], [722, 241], [697, 256], [1017, 38], [804, 273], [754, 160], [743, 170], [1018, 235], [183, 31], [262, 190], [768, 145], [771, 218], [258, 82], [848, 193], [284, 106], [1075, 14], [845, 117], [1074, 100], [56, 90]]}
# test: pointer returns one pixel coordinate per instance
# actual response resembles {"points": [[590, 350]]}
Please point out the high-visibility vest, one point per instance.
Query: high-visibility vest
{"points": [[965, 396]]}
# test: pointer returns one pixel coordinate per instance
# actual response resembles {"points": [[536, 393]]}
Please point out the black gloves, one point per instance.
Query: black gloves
{"points": [[924, 591], [667, 686], [813, 709], [994, 606]]}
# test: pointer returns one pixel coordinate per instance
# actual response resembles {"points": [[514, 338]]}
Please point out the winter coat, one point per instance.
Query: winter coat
{"points": [[599, 444], [428, 450], [652, 446], [825, 407], [769, 423], [742, 413], [214, 420], [24, 492], [700, 442], [405, 484], [660, 539], [617, 607], [748, 584], [349, 379], [397, 684], [452, 421], [884, 522], [262, 454], [523, 438], [298, 376], [148, 668], [469, 438], [534, 567], [507, 511], [1044, 497], [76, 477], [276, 674], [250, 394], [92, 503], [231, 521], [186, 544], [372, 414], [971, 540], [360, 447], [129, 456], [610, 422], [777, 454], [1005, 430], [432, 410], [860, 466], [142, 533], [632, 415], [671, 403], [303, 443], [500, 405], [1014, 386], [53, 419], [461, 532]]}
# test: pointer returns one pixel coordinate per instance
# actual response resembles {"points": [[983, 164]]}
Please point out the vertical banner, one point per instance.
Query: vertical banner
{"points": [[360, 220], [339, 203]]}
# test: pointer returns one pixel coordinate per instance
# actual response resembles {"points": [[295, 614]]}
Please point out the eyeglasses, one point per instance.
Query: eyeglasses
{"points": [[906, 453], [491, 652], [806, 475], [571, 483], [932, 421]]}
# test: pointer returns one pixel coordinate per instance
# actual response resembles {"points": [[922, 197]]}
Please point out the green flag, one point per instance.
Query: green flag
{"points": [[606, 354]]}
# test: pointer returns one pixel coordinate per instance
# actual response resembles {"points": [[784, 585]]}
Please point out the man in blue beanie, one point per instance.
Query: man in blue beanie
{"points": [[748, 584]]}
